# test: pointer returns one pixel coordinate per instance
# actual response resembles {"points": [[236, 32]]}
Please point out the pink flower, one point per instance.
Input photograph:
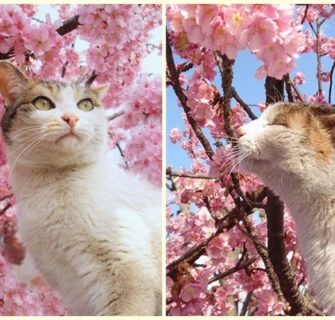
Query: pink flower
{"points": [[325, 76], [299, 78], [175, 135], [261, 32]]}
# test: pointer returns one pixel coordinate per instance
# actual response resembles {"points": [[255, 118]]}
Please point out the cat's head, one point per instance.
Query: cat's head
{"points": [[50, 123], [288, 137]]}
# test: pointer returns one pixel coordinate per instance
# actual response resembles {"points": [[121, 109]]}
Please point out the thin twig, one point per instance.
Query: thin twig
{"points": [[331, 83], [7, 196], [318, 57], [122, 155], [245, 107], [115, 115], [174, 76], [305, 14], [64, 69], [312, 27], [3, 210], [239, 266], [184, 175], [246, 302], [296, 90], [90, 80], [186, 66]]}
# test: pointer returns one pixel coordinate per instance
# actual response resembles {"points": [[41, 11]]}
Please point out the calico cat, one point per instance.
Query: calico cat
{"points": [[93, 230], [291, 148]]}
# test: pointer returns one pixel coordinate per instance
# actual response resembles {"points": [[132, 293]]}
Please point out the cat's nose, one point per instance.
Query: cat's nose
{"points": [[70, 119]]}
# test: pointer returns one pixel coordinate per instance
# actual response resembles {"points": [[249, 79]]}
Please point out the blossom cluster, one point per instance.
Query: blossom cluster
{"points": [[268, 31]]}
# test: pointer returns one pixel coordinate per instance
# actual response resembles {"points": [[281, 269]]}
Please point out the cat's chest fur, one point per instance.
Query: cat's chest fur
{"points": [[313, 209], [74, 222]]}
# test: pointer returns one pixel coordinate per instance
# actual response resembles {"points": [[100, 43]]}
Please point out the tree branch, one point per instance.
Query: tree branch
{"points": [[245, 107], [90, 80], [115, 115], [229, 221], [174, 76], [296, 90], [239, 266], [226, 70], [246, 304], [277, 254], [274, 89], [69, 25], [184, 175], [305, 14], [5, 208], [331, 83], [288, 87], [318, 56], [264, 255]]}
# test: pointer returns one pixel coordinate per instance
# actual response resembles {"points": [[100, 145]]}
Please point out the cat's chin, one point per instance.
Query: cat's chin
{"points": [[68, 141], [67, 137]]}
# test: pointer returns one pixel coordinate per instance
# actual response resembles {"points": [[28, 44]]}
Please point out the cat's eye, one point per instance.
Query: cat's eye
{"points": [[43, 103], [85, 105]]}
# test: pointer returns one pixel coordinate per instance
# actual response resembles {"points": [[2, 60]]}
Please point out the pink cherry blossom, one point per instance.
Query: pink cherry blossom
{"points": [[299, 78]]}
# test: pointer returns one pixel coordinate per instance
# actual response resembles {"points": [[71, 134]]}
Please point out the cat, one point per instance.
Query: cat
{"points": [[92, 229], [291, 148]]}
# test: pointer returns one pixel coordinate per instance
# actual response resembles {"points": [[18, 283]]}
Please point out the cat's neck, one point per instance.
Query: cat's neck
{"points": [[25, 177], [310, 197], [23, 170], [302, 185]]}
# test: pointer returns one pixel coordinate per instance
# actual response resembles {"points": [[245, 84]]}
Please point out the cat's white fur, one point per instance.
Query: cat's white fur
{"points": [[281, 158], [94, 231]]}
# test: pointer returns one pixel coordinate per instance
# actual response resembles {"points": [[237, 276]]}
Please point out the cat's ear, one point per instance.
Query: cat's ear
{"points": [[101, 91], [12, 82]]}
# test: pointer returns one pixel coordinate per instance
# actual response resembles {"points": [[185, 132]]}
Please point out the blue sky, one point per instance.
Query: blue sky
{"points": [[250, 90]]}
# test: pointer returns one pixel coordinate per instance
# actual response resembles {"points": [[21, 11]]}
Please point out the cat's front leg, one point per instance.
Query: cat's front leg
{"points": [[131, 290]]}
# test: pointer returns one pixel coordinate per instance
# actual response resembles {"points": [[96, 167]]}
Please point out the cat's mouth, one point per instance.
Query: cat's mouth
{"points": [[68, 136]]}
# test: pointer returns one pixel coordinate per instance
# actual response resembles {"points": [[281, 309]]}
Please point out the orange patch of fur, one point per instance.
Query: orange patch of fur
{"points": [[301, 118]]}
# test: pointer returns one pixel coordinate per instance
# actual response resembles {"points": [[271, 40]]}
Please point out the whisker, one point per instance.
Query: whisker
{"points": [[28, 130], [33, 144]]}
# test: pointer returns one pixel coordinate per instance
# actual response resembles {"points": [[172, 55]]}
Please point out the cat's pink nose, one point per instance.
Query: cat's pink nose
{"points": [[70, 119]]}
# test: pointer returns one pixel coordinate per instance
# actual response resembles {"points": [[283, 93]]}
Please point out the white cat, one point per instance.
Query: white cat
{"points": [[291, 148], [93, 230]]}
